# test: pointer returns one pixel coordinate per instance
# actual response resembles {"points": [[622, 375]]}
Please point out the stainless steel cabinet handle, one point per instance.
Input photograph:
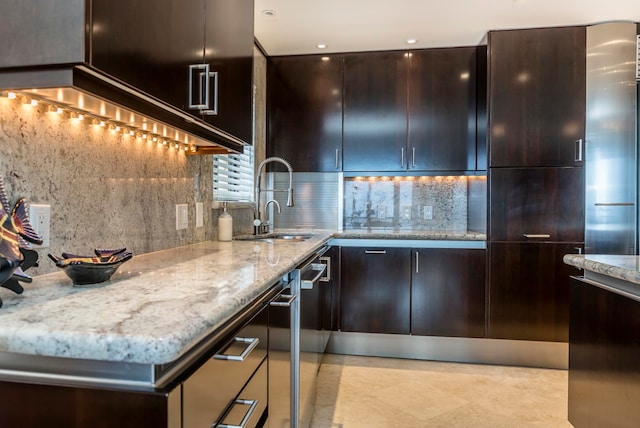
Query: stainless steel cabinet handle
{"points": [[307, 284], [579, 146], [536, 235], [252, 343], [327, 261], [375, 251], [200, 72], [402, 157], [417, 262], [253, 404], [287, 303], [413, 157], [337, 157], [213, 76], [578, 249], [614, 204]]}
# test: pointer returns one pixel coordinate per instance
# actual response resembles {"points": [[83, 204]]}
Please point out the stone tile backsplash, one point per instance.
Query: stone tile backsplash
{"points": [[417, 203]]}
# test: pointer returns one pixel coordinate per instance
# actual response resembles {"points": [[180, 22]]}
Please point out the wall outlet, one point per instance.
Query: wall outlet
{"points": [[40, 218], [406, 212], [182, 216], [428, 212], [199, 214], [382, 211]]}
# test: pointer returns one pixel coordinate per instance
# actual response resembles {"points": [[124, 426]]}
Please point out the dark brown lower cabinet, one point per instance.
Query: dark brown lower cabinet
{"points": [[376, 289], [31, 405], [448, 292], [604, 368], [529, 290]]}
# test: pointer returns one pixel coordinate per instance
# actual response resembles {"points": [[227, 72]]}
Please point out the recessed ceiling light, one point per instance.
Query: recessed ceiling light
{"points": [[321, 46], [412, 41], [269, 13]]}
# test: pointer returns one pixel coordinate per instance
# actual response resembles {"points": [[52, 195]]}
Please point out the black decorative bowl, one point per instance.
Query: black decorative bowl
{"points": [[85, 270]]}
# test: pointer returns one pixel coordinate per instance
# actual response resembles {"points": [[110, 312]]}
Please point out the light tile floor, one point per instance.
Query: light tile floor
{"points": [[356, 392]]}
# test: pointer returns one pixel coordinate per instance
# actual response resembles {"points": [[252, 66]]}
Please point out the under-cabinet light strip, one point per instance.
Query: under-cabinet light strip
{"points": [[93, 120]]}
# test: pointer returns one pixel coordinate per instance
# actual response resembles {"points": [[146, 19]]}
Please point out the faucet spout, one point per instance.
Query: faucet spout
{"points": [[259, 227]]}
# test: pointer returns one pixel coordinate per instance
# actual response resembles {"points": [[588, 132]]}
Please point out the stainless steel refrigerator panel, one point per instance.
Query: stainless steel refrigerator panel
{"points": [[610, 146]]}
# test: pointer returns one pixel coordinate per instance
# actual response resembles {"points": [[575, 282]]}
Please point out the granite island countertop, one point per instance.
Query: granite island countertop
{"points": [[616, 267], [411, 234], [155, 307]]}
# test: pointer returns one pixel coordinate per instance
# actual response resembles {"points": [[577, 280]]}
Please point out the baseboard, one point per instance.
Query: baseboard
{"points": [[553, 355]]}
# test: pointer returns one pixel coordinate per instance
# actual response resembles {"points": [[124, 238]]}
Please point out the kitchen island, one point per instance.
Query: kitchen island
{"points": [[604, 341]]}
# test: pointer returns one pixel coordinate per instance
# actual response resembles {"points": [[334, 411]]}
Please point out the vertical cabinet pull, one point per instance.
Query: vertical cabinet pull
{"points": [[413, 157], [337, 158], [579, 148], [402, 157], [200, 82], [417, 262]]}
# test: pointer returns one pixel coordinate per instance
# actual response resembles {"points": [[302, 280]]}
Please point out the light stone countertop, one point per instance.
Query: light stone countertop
{"points": [[155, 307], [159, 305], [418, 234], [622, 267]]}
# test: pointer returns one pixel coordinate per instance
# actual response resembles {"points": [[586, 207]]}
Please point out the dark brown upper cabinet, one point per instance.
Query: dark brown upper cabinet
{"points": [[442, 109], [410, 111], [163, 50], [536, 204], [304, 113], [375, 111], [537, 96]]}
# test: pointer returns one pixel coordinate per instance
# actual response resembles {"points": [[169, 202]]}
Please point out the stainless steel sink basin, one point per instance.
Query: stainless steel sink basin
{"points": [[276, 237]]}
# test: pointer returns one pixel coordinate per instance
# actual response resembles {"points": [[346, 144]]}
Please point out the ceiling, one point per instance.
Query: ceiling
{"points": [[298, 26]]}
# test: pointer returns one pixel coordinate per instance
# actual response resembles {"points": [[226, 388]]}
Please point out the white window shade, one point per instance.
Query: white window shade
{"points": [[233, 176]]}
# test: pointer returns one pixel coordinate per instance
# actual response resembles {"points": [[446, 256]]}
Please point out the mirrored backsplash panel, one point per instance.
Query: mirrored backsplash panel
{"points": [[442, 203]]}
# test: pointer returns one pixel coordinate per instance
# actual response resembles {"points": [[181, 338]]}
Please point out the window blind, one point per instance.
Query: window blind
{"points": [[233, 176]]}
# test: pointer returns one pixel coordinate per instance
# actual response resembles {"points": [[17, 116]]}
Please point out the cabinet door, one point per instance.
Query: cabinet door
{"points": [[604, 343], [304, 98], [448, 292], [229, 52], [375, 295], [529, 291], [442, 110], [149, 45], [547, 202], [536, 96], [375, 112]]}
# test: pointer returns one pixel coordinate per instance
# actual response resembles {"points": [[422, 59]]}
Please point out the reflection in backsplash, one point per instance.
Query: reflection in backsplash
{"points": [[418, 203]]}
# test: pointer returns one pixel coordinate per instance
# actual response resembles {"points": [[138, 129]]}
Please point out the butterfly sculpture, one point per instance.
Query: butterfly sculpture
{"points": [[16, 233]]}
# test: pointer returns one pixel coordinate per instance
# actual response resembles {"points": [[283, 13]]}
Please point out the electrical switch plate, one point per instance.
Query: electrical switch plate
{"points": [[40, 218], [406, 212], [382, 211], [182, 216], [199, 214], [428, 212]]}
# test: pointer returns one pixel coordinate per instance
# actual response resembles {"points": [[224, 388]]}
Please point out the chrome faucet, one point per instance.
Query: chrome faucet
{"points": [[261, 226]]}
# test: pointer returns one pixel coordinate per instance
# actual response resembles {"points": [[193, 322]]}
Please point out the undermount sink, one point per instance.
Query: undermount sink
{"points": [[274, 237]]}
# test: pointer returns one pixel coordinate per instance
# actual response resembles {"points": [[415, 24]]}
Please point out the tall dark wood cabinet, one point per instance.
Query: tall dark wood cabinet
{"points": [[155, 55], [536, 95], [448, 292], [442, 109], [375, 111], [375, 290], [304, 111]]}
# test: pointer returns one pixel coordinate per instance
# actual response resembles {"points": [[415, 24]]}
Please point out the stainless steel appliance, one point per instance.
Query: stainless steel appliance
{"points": [[295, 345], [611, 139]]}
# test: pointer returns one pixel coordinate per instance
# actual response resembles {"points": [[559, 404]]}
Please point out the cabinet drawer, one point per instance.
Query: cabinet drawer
{"points": [[213, 387], [251, 403]]}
